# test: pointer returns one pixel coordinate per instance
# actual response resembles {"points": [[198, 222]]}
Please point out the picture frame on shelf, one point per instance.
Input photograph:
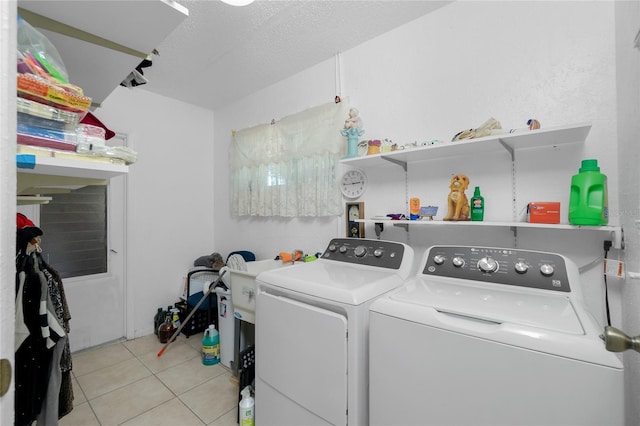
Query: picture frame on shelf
{"points": [[354, 211]]}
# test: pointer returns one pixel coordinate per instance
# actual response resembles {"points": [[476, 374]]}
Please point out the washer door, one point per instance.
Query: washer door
{"points": [[301, 353]]}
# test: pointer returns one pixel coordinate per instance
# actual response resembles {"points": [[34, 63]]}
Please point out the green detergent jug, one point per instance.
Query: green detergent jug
{"points": [[588, 199]]}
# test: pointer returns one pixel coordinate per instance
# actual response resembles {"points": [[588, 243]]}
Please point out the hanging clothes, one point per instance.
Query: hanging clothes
{"points": [[43, 390]]}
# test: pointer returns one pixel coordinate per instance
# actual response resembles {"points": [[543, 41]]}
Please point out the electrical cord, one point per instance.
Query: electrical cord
{"points": [[607, 246], [595, 262]]}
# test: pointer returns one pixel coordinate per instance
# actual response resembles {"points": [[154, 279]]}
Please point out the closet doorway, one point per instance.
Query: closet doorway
{"points": [[98, 302]]}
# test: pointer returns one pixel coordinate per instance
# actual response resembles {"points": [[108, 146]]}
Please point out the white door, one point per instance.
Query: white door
{"points": [[301, 363], [98, 303]]}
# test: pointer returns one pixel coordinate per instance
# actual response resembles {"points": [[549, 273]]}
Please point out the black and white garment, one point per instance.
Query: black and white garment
{"points": [[43, 390]]}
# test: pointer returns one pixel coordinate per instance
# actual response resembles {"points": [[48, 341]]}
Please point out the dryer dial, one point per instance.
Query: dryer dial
{"points": [[546, 270], [458, 262], [360, 251], [488, 264], [521, 267], [439, 259]]}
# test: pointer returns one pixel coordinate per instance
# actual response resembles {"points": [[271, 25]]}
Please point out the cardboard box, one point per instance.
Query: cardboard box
{"points": [[543, 212]]}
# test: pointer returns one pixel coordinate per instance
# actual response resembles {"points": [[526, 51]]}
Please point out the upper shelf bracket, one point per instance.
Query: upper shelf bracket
{"points": [[400, 163], [508, 147]]}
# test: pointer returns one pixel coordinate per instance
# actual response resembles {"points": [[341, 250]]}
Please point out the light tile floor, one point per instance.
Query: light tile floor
{"points": [[126, 383]]}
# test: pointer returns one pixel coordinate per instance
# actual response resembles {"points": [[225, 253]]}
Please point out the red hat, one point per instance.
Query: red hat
{"points": [[89, 118], [23, 222]]}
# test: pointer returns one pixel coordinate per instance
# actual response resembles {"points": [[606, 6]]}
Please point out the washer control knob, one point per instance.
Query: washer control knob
{"points": [[521, 267], [488, 264], [439, 259], [360, 251], [343, 249], [378, 252], [332, 247], [458, 262], [546, 270]]}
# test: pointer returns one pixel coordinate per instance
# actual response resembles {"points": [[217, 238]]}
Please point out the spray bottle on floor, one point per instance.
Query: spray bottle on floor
{"points": [[246, 407]]}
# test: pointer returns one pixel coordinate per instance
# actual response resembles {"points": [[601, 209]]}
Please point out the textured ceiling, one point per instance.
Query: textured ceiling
{"points": [[222, 53]]}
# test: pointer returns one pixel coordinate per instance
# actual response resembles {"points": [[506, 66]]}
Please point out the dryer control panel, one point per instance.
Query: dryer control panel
{"points": [[384, 254], [524, 268]]}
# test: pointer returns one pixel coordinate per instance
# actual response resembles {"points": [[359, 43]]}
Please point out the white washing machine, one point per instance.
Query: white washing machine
{"points": [[312, 332], [491, 336]]}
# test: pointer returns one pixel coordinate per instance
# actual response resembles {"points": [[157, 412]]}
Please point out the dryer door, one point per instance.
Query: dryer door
{"points": [[301, 355]]}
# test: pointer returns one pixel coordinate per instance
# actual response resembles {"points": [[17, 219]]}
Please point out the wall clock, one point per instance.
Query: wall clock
{"points": [[353, 183]]}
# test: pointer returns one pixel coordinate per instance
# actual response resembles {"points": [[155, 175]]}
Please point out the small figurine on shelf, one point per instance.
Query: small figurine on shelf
{"points": [[533, 124], [374, 147], [352, 130], [489, 127], [386, 146], [353, 120], [457, 201]]}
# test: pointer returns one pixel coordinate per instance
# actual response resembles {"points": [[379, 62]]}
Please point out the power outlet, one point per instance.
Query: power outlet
{"points": [[614, 268]]}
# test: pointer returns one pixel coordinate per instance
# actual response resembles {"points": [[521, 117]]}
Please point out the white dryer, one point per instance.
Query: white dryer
{"points": [[491, 336], [312, 322]]}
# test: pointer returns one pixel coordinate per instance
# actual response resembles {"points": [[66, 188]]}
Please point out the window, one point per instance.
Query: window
{"points": [[274, 178], [288, 168], [75, 231]]}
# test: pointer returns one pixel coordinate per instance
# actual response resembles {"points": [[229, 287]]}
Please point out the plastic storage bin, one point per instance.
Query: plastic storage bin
{"points": [[243, 287]]}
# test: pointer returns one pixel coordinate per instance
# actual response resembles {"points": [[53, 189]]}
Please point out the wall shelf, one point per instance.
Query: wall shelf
{"points": [[53, 166], [50, 175], [615, 233], [512, 142]]}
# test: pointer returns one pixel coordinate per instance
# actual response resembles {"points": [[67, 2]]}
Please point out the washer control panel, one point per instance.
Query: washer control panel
{"points": [[507, 266], [385, 254]]}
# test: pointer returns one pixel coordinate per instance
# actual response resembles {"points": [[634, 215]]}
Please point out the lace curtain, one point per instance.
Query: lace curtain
{"points": [[288, 168]]}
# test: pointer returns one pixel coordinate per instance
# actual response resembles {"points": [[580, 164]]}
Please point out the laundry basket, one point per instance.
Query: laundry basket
{"points": [[207, 313]]}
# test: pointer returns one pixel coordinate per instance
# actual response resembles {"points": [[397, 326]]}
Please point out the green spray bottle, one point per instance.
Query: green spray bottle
{"points": [[477, 206]]}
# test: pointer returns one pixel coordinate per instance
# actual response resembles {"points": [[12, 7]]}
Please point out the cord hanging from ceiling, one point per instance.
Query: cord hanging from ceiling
{"points": [[338, 78]]}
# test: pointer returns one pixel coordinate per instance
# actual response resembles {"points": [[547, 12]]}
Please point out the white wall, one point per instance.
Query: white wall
{"points": [[451, 70], [431, 78], [170, 198], [440, 74]]}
